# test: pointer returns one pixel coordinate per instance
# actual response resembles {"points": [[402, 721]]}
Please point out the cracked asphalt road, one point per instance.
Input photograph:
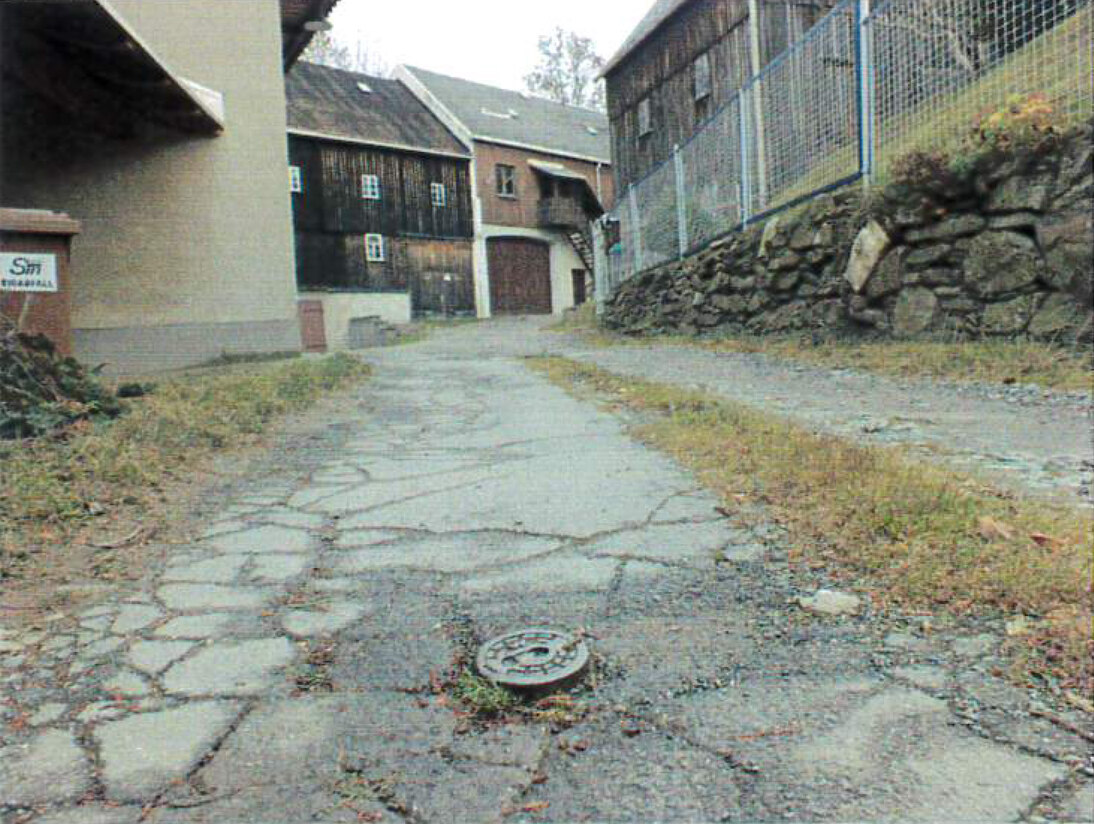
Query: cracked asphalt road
{"points": [[277, 669]]}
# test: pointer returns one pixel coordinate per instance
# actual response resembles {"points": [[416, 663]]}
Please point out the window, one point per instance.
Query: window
{"points": [[296, 180], [645, 117], [370, 187], [438, 194], [702, 76], [507, 180], [374, 248]]}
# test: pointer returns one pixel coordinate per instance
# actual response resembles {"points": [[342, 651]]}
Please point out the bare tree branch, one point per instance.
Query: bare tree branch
{"points": [[567, 70]]}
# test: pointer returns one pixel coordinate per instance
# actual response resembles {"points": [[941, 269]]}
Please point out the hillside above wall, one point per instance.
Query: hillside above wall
{"points": [[1003, 251]]}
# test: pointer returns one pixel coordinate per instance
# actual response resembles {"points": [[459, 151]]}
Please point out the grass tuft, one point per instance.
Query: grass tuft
{"points": [[922, 537], [986, 361], [482, 697], [51, 487]]}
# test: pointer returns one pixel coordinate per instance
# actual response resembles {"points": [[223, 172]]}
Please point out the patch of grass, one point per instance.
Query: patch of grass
{"points": [[921, 537], [987, 361], [579, 319], [232, 358], [50, 488], [482, 697], [1050, 366], [423, 330]]}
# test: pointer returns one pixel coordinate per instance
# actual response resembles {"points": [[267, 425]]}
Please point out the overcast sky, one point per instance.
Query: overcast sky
{"points": [[491, 41]]}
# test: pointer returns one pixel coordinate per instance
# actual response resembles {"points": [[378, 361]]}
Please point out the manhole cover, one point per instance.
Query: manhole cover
{"points": [[532, 658]]}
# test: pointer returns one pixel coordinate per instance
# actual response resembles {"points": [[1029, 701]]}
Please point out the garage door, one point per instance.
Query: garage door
{"points": [[520, 276]]}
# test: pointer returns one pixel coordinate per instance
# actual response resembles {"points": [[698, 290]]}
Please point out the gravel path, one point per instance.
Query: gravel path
{"points": [[1024, 437], [279, 668]]}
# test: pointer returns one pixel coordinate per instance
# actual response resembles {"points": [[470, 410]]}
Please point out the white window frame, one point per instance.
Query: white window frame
{"points": [[438, 194], [370, 187], [506, 179], [374, 248], [296, 180], [645, 117]]}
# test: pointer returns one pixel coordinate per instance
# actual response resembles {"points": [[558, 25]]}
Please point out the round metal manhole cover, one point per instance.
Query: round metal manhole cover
{"points": [[532, 658]]}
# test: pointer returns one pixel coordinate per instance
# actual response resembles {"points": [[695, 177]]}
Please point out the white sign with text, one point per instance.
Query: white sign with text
{"points": [[28, 272]]}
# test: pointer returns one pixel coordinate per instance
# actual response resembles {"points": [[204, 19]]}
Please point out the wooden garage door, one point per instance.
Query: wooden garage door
{"points": [[520, 276]]}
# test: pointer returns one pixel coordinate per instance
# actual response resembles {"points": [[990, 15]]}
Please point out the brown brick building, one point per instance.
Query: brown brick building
{"points": [[541, 173]]}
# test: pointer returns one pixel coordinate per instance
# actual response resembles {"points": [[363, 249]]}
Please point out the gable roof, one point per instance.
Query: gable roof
{"points": [[295, 15], [517, 119], [662, 10], [329, 102]]}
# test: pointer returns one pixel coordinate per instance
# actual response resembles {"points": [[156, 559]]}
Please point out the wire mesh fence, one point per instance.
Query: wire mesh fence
{"points": [[861, 89], [940, 66], [804, 113]]}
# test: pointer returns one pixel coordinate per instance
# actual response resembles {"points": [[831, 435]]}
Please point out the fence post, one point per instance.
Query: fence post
{"points": [[636, 231], [864, 57], [756, 93], [601, 275], [746, 166], [681, 200]]}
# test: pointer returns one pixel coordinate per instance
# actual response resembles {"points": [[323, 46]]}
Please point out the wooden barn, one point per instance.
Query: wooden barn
{"points": [[381, 202], [541, 173], [683, 62]]}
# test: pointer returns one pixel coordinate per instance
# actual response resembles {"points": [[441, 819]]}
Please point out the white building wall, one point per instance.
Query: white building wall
{"points": [[187, 247]]}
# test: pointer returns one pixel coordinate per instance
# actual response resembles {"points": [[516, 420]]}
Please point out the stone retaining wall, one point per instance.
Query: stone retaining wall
{"points": [[1003, 251]]}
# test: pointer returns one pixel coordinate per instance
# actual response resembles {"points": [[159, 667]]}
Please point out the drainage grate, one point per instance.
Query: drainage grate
{"points": [[532, 658]]}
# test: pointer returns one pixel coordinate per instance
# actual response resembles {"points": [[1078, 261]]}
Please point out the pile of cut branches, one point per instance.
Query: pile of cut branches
{"points": [[42, 392]]}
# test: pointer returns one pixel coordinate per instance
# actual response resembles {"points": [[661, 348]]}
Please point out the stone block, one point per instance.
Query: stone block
{"points": [[927, 256], [889, 276], [1010, 317], [1001, 262], [870, 246], [1068, 246], [785, 281], [1060, 316], [1020, 194], [915, 312], [947, 229]]}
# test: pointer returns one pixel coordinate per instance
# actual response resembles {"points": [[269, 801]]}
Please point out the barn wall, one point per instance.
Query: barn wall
{"points": [[662, 70], [187, 243], [424, 243], [331, 199]]}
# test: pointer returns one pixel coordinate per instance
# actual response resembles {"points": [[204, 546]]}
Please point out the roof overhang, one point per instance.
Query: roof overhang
{"points": [[84, 57], [560, 172], [376, 144], [655, 19], [300, 21], [555, 170], [547, 150]]}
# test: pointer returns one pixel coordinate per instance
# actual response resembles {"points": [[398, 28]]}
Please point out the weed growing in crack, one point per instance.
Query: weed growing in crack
{"points": [[312, 674], [482, 697], [357, 791]]}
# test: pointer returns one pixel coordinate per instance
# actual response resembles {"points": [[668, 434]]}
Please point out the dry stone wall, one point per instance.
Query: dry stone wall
{"points": [[1005, 250]]}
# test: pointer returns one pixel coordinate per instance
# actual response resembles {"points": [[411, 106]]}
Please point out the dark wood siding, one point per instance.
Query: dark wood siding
{"points": [[331, 198], [661, 70], [332, 218]]}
